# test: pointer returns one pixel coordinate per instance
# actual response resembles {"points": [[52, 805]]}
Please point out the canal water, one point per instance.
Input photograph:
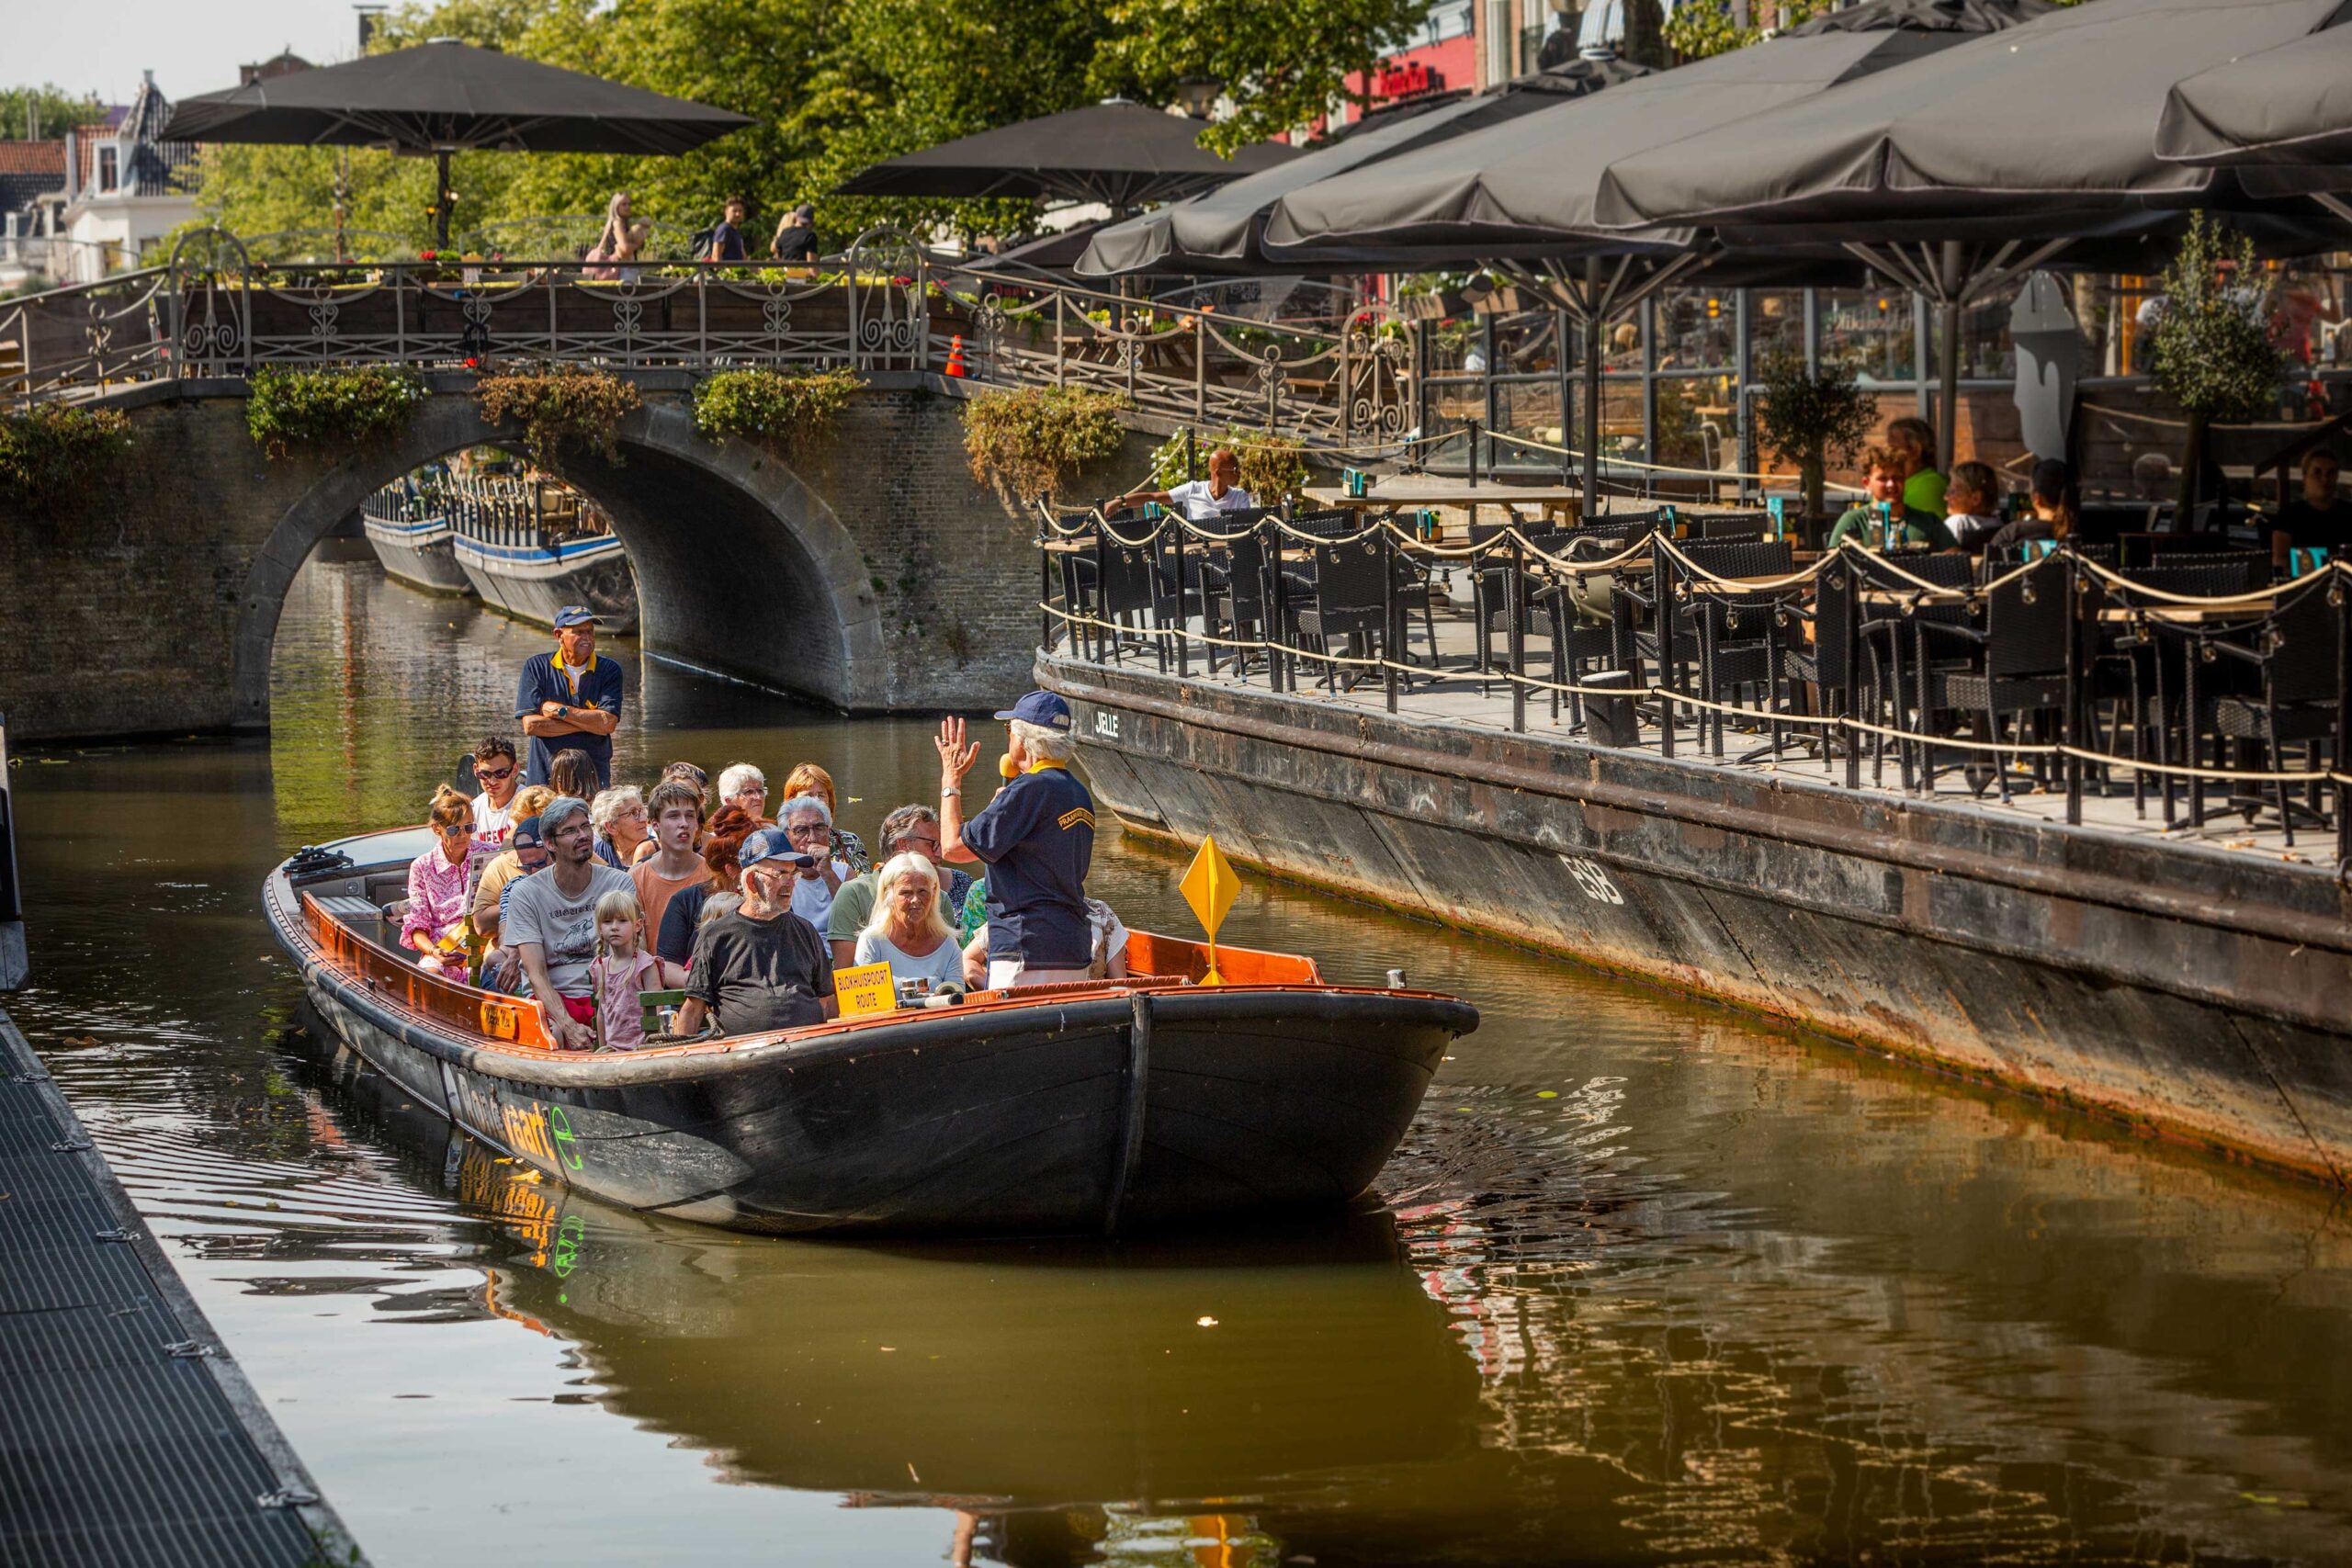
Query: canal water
{"points": [[1652, 1282]]}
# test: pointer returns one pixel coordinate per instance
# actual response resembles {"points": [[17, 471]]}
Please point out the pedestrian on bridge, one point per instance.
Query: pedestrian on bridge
{"points": [[571, 698]]}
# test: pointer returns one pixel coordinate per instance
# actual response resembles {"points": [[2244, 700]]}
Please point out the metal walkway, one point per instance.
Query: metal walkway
{"points": [[127, 1435]]}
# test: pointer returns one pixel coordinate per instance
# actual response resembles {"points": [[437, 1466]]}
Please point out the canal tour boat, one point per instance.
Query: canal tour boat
{"points": [[529, 546], [410, 533], [1150, 1103]]}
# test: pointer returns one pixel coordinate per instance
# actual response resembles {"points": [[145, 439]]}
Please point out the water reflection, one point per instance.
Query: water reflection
{"points": [[1662, 1284]]}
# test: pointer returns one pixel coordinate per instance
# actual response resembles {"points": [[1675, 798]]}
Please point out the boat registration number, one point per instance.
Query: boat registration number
{"points": [[1593, 880]]}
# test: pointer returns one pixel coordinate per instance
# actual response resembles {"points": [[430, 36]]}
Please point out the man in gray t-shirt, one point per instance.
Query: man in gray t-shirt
{"points": [[550, 921]]}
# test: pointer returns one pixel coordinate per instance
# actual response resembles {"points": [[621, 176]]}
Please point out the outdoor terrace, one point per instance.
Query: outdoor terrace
{"points": [[2197, 700]]}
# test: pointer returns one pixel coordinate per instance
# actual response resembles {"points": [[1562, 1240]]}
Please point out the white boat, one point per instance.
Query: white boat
{"points": [[410, 536], [529, 553]]}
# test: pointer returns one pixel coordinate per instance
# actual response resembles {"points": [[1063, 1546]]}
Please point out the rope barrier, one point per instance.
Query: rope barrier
{"points": [[1842, 725]]}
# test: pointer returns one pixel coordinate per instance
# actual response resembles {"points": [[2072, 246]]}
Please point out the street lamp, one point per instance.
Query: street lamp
{"points": [[1196, 96]]}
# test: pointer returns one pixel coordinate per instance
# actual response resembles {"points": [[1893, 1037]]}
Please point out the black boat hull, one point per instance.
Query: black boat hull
{"points": [[1101, 1113]]}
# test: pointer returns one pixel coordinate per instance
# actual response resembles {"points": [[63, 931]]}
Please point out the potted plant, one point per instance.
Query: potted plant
{"points": [[2210, 350], [1809, 418]]}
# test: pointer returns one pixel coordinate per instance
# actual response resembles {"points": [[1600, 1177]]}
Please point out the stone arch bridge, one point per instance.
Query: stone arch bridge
{"points": [[873, 574]]}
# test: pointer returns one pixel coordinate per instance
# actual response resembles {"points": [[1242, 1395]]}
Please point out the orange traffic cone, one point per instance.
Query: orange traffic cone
{"points": [[955, 355]]}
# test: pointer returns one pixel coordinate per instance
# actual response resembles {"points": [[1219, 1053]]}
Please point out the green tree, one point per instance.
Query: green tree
{"points": [[49, 110], [2209, 349]]}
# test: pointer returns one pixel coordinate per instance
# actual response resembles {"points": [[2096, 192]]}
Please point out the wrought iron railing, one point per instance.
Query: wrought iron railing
{"points": [[887, 304]]}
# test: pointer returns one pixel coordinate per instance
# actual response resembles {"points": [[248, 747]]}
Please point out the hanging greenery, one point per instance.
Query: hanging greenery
{"points": [[50, 450], [787, 411], [1032, 442], [560, 408], [2210, 348], [295, 409], [1273, 468], [1810, 420]]}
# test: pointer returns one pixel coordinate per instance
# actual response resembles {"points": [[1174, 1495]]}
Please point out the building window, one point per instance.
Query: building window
{"points": [[105, 168]]}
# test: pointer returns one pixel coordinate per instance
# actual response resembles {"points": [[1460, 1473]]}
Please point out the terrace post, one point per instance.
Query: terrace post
{"points": [[2070, 722], [1388, 638], [1662, 623], [1853, 686], [1511, 590], [1184, 655], [1058, 332], [1564, 371], [2339, 594], [1277, 605]]}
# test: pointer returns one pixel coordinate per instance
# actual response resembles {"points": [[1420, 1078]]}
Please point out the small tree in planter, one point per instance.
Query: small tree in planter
{"points": [[1032, 442], [1810, 420], [2209, 351], [559, 408]]}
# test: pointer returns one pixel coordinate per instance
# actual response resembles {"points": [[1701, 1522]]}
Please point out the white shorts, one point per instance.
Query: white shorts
{"points": [[1004, 973]]}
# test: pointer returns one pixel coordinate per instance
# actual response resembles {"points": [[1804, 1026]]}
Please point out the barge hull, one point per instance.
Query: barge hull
{"points": [[2198, 993], [419, 554], [531, 584]]}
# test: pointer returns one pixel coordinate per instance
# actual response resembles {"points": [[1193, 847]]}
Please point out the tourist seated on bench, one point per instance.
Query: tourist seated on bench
{"points": [[435, 924], [743, 787], [722, 842], [551, 922], [911, 829], [1912, 526], [762, 967], [622, 968], [508, 863], [907, 930], [622, 824], [810, 779]]}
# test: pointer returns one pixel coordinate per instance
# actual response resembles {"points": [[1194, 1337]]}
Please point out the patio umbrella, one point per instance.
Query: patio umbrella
{"points": [[443, 97], [1119, 153], [1953, 175], [1523, 193], [1220, 232], [2288, 108]]}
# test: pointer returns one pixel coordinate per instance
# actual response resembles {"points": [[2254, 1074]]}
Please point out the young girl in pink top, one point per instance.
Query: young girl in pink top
{"points": [[622, 968]]}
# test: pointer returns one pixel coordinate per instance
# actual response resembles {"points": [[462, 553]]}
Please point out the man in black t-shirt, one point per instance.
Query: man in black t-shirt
{"points": [[762, 967], [727, 239], [2319, 518], [1038, 836]]}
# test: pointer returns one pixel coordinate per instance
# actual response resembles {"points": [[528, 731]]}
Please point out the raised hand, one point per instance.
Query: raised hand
{"points": [[955, 757]]}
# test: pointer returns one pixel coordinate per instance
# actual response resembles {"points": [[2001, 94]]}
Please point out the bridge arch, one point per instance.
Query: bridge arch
{"points": [[741, 568]]}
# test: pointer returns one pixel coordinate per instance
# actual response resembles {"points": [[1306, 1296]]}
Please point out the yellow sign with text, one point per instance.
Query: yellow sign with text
{"points": [[865, 990], [1208, 887]]}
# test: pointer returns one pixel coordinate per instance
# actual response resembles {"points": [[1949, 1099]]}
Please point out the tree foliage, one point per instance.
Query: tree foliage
{"points": [[833, 86], [1273, 467], [1810, 420], [49, 109]]}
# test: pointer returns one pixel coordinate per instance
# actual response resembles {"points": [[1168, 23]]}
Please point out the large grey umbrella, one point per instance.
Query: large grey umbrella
{"points": [[1524, 192], [443, 97], [1219, 231], [2018, 141], [2287, 108], [1119, 153]]}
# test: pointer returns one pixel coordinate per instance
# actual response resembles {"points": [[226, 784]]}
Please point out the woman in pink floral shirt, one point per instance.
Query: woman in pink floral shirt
{"points": [[437, 886]]}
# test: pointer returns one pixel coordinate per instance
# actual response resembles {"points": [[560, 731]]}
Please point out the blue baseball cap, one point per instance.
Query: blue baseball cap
{"points": [[576, 615], [767, 844], [1040, 708]]}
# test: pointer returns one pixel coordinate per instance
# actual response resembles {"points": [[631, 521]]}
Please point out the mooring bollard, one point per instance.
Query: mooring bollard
{"points": [[1608, 717]]}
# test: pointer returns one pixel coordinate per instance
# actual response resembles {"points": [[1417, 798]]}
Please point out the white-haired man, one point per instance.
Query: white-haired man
{"points": [[1038, 836]]}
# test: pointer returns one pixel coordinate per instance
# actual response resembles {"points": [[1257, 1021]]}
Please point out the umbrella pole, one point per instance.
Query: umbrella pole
{"points": [[441, 199], [1592, 336], [1947, 306]]}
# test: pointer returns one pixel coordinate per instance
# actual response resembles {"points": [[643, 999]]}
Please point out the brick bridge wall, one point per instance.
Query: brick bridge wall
{"points": [[875, 575]]}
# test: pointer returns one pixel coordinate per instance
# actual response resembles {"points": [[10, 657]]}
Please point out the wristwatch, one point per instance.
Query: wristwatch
{"points": [[561, 711]]}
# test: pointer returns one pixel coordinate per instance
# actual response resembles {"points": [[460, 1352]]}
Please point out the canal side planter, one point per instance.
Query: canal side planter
{"points": [[2202, 993], [298, 411], [49, 452]]}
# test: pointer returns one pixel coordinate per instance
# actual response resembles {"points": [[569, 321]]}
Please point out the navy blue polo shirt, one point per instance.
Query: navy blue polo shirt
{"points": [[1038, 836], [542, 682]]}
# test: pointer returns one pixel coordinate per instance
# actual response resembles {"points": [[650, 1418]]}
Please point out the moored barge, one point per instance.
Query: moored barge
{"points": [[409, 532], [529, 547], [1155, 1103]]}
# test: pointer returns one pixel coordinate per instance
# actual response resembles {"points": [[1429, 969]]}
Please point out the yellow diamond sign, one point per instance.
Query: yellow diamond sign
{"points": [[1209, 885]]}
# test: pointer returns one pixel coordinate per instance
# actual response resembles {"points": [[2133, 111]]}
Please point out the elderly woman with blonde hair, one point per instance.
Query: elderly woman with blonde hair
{"points": [[907, 932]]}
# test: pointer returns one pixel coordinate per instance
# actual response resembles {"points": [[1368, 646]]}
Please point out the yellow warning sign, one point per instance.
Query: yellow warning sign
{"points": [[1209, 885], [865, 990]]}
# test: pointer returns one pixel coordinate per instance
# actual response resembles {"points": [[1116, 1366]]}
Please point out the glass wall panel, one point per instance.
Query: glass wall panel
{"points": [[1868, 332], [1697, 328]]}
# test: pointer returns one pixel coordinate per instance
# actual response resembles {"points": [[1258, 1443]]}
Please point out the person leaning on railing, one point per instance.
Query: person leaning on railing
{"points": [[1911, 526]]}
